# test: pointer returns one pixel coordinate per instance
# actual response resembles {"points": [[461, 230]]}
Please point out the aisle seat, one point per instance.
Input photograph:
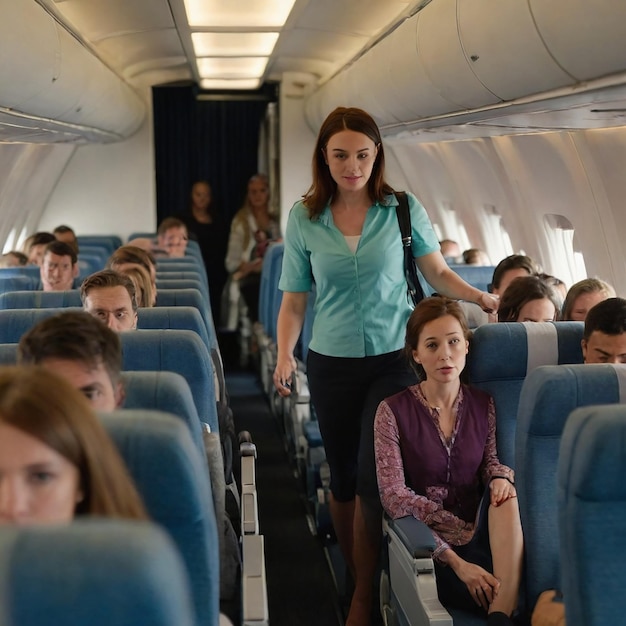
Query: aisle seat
{"points": [[174, 485], [40, 299], [478, 276], [94, 571], [112, 242], [19, 283]]}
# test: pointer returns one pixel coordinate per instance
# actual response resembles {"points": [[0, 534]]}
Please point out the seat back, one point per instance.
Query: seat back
{"points": [[167, 392], [15, 322], [40, 299], [174, 485], [19, 283], [478, 276], [500, 357], [592, 514], [270, 274], [112, 242], [89, 264], [549, 395], [179, 351], [174, 317], [21, 270], [181, 283], [95, 572]]}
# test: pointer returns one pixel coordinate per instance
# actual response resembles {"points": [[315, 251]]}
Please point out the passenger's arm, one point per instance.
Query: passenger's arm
{"points": [[290, 321], [234, 254], [399, 500], [449, 283]]}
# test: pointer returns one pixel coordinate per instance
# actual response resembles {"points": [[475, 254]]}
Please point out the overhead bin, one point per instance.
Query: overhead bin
{"points": [[52, 83], [457, 56]]}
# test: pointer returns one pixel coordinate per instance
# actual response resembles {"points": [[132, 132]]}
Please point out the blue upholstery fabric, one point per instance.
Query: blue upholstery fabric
{"points": [[89, 264], [502, 354], [182, 283], [112, 242], [270, 274], [548, 396], [180, 351], [40, 299], [99, 250], [15, 322], [185, 271], [592, 515], [19, 283], [174, 317], [174, 484], [22, 270], [94, 571], [478, 276], [164, 391]]}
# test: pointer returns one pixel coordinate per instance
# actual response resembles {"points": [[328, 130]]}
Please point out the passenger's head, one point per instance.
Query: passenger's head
{"points": [[110, 296], [37, 246], [172, 237], [584, 295], [59, 267], [201, 196], [449, 249], [258, 192], [604, 337], [475, 256], [80, 349], [510, 268], [56, 460], [144, 293], [558, 286], [437, 339], [13, 259], [352, 134], [528, 299], [133, 255], [67, 235]]}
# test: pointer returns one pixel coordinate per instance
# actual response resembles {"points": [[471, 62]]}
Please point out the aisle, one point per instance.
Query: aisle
{"points": [[300, 588]]}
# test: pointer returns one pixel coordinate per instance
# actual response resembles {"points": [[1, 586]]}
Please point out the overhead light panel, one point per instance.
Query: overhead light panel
{"points": [[233, 44], [242, 14], [221, 83], [232, 67]]}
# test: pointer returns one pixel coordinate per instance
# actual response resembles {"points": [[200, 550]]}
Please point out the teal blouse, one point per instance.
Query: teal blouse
{"points": [[361, 307]]}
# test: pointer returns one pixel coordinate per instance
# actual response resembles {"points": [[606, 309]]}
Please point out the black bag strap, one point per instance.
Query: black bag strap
{"points": [[414, 289]]}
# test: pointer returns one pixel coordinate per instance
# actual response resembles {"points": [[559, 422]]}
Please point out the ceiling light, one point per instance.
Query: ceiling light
{"points": [[242, 14], [232, 67], [221, 83], [233, 44]]}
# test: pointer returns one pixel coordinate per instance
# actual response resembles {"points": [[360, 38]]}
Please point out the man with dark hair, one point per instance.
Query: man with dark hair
{"points": [[508, 269], [35, 246], [83, 351], [110, 297], [604, 337], [67, 235], [59, 267]]}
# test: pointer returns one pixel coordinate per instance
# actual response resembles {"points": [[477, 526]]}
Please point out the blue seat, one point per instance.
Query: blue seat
{"points": [[99, 250], [15, 322], [548, 396], [270, 274], [189, 297], [19, 283], [112, 242], [478, 276], [500, 357], [592, 514], [173, 317], [22, 270], [170, 280], [89, 264], [174, 485], [180, 351], [40, 299], [95, 572]]}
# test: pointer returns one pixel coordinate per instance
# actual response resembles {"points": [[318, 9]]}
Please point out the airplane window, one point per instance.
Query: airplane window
{"points": [[452, 227], [9, 242], [568, 262], [496, 234]]}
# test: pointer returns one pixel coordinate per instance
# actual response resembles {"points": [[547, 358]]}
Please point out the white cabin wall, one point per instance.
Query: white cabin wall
{"points": [[107, 188], [297, 142]]}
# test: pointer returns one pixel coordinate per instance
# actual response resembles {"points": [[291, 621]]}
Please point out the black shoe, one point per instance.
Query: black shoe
{"points": [[497, 618]]}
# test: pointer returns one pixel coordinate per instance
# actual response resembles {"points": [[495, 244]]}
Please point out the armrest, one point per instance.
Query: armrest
{"points": [[414, 534]]}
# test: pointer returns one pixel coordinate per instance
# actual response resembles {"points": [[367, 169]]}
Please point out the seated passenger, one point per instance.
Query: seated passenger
{"points": [[59, 267], [475, 256], [35, 246], [512, 267], [81, 349], [56, 460], [110, 297], [450, 250], [13, 259], [528, 299], [436, 460], [584, 295], [172, 237], [604, 337], [130, 256], [144, 293], [67, 235], [558, 286]]}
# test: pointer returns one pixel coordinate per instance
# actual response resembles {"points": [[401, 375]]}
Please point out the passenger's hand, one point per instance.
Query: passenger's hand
{"points": [[488, 302], [285, 367], [500, 491], [482, 585]]}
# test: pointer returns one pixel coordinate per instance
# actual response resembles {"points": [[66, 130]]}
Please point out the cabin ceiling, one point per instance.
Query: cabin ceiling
{"points": [[148, 42]]}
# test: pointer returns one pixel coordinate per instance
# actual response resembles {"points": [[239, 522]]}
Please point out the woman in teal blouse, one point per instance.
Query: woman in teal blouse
{"points": [[344, 236]]}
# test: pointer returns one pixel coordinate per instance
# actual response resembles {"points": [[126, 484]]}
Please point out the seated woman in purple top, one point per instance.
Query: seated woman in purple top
{"points": [[436, 456]]}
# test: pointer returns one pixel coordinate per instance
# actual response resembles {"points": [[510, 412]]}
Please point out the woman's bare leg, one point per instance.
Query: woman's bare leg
{"points": [[507, 550]]}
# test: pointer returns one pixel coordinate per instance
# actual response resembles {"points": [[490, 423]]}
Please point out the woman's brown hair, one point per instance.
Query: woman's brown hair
{"points": [[324, 187], [522, 290], [45, 406]]}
